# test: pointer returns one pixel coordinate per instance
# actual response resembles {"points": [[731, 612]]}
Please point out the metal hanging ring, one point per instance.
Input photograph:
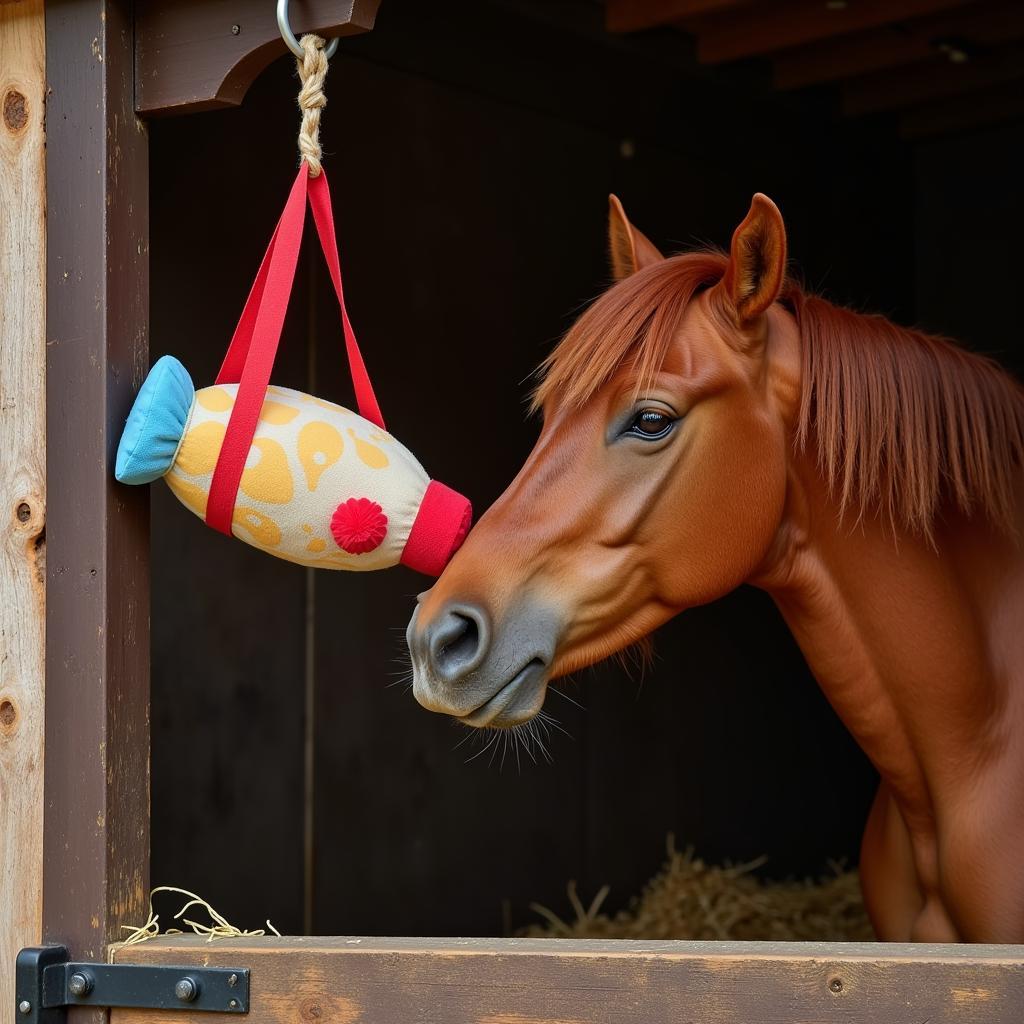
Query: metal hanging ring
{"points": [[289, 36]]}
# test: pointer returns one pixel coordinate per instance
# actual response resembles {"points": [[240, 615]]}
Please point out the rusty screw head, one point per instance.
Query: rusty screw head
{"points": [[836, 985], [233, 1003], [235, 29], [187, 989], [80, 984]]}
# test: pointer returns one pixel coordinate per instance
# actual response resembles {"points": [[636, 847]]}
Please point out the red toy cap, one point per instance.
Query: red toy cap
{"points": [[440, 528]]}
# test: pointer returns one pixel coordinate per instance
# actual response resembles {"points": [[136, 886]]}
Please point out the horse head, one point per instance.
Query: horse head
{"points": [[658, 481]]}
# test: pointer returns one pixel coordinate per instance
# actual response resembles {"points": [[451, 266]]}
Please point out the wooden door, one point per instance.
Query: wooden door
{"points": [[92, 864]]}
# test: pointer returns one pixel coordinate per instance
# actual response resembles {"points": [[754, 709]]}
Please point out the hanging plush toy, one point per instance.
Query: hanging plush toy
{"points": [[293, 475]]}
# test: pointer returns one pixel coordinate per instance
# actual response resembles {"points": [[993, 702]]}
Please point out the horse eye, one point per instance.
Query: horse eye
{"points": [[651, 424]]}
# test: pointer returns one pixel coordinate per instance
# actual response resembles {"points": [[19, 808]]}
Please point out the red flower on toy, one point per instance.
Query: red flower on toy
{"points": [[359, 525]]}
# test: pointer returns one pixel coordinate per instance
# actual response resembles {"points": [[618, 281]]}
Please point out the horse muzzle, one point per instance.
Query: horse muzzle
{"points": [[482, 674]]}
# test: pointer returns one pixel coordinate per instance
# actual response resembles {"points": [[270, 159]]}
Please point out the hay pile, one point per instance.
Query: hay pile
{"points": [[689, 899]]}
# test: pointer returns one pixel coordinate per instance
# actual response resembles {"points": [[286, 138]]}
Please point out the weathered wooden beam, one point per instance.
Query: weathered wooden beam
{"points": [[96, 833], [897, 44], [203, 54], [512, 981], [765, 28], [963, 113], [634, 15], [22, 480], [934, 80]]}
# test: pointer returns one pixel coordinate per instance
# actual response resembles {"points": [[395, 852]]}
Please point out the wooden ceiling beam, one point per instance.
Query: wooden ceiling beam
{"points": [[963, 113], [636, 15], [896, 44], [929, 81], [763, 29]]}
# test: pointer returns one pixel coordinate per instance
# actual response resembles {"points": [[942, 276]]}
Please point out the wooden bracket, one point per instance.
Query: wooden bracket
{"points": [[195, 55]]}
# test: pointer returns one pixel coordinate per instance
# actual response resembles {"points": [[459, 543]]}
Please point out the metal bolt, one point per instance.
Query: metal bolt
{"points": [[80, 984], [232, 980], [24, 1007], [836, 985], [187, 989], [235, 29], [233, 1003]]}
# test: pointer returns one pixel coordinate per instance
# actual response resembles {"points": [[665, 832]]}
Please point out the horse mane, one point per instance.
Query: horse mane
{"points": [[900, 420]]}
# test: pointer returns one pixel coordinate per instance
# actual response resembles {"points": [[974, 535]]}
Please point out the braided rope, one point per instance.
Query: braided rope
{"points": [[312, 72]]}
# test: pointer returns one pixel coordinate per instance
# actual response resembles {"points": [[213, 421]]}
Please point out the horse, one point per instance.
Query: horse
{"points": [[708, 422]]}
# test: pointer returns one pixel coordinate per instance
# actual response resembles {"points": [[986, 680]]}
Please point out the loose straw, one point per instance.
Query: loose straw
{"points": [[221, 928], [312, 72], [689, 899]]}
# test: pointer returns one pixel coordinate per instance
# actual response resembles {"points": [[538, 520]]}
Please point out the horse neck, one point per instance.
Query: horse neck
{"points": [[902, 633]]}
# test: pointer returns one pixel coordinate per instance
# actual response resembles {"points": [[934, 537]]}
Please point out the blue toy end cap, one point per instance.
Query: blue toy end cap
{"points": [[156, 423]]}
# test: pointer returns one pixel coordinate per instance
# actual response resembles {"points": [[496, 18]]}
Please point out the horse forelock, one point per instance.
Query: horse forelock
{"points": [[900, 421], [633, 323]]}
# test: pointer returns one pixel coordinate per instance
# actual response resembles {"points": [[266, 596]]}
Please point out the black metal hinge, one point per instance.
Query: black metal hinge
{"points": [[47, 982]]}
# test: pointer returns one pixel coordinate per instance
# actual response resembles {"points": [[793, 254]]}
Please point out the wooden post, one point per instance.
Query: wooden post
{"points": [[22, 481], [96, 835]]}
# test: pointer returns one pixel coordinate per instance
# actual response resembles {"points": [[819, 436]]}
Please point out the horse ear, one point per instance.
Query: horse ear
{"points": [[757, 260], [631, 250]]}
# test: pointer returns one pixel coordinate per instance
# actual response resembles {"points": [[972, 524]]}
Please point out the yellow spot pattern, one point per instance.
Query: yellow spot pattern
{"points": [[320, 446], [368, 453], [214, 399], [324, 404], [263, 528], [199, 450], [270, 479], [277, 413], [188, 494], [316, 545]]}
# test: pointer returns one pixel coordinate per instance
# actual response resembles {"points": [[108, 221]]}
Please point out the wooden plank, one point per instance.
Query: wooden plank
{"points": [[22, 480], [963, 113], [97, 639], [634, 15], [766, 28], [522, 981], [227, 621], [935, 80], [896, 44], [202, 54], [409, 806]]}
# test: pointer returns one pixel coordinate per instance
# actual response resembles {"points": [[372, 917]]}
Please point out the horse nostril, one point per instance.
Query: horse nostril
{"points": [[458, 642]]}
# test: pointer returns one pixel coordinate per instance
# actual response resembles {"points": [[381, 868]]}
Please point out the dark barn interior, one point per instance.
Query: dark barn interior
{"points": [[471, 156]]}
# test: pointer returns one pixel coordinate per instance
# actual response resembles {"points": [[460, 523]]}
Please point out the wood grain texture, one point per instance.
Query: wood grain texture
{"points": [[521, 981], [933, 81], [22, 480], [634, 15], [202, 54], [897, 44], [228, 622], [97, 644], [764, 28]]}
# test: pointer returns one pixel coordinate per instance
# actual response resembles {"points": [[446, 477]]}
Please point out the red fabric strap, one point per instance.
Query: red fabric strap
{"points": [[250, 357], [323, 217]]}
